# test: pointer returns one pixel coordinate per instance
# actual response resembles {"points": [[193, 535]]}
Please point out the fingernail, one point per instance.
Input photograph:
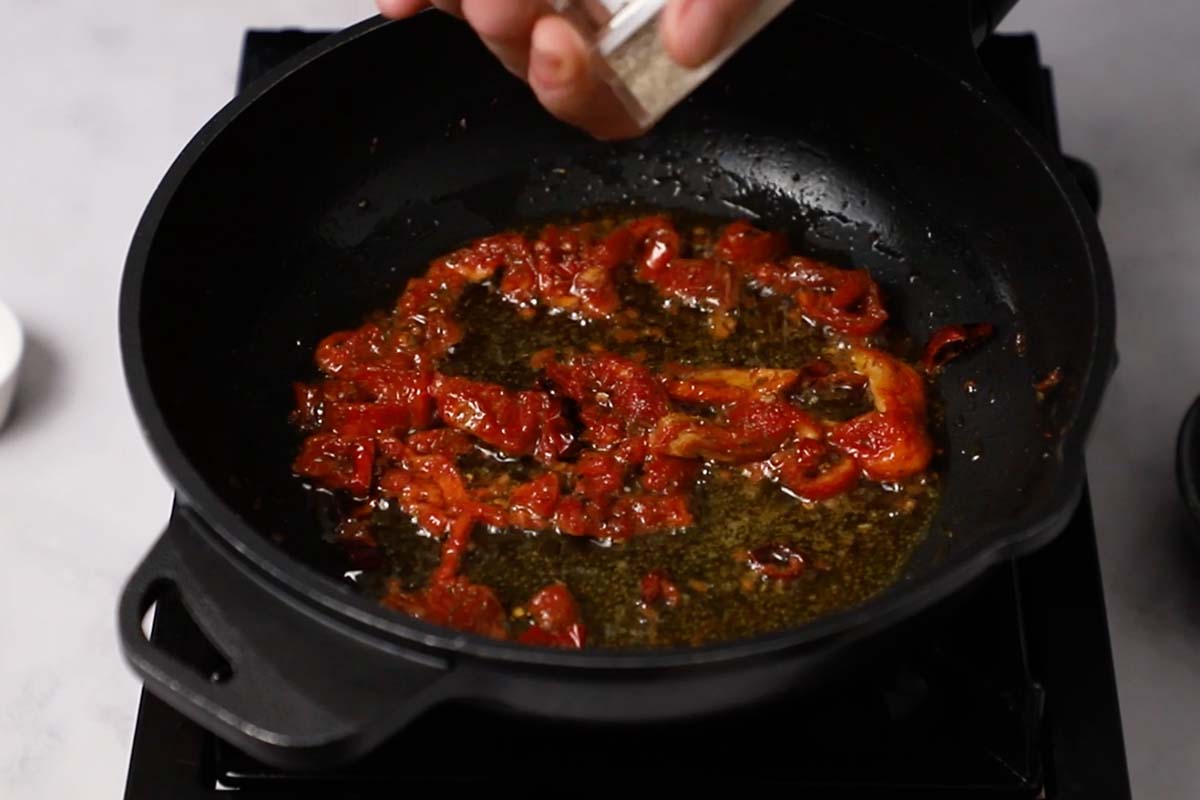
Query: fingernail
{"points": [[548, 68], [699, 31]]}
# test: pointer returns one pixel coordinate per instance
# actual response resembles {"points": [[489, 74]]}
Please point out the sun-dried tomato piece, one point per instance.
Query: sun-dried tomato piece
{"points": [[519, 285], [479, 261], [656, 586], [704, 284], [890, 443], [432, 479], [888, 446], [599, 475], [742, 243], [565, 269], [776, 561], [424, 320], [556, 619], [363, 345], [614, 249], [446, 441], [952, 341], [768, 278], [749, 431], [387, 383], [812, 470], [632, 450], [895, 386], [641, 514], [656, 244], [366, 400], [454, 546], [455, 603], [333, 462], [626, 516], [720, 386], [568, 278], [531, 505], [430, 487], [617, 396], [698, 283], [847, 300], [575, 516], [516, 423], [364, 420], [556, 435], [666, 474]]}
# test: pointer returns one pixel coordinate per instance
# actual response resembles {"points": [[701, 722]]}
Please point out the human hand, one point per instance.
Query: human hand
{"points": [[546, 51]]}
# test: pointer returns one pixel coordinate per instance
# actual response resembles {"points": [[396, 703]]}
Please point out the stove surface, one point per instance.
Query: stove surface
{"points": [[1005, 691]]}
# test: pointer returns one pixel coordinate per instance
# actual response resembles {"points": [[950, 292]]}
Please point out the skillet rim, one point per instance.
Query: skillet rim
{"points": [[261, 559]]}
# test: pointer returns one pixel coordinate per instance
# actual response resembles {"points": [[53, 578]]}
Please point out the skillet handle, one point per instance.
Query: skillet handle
{"points": [[297, 692]]}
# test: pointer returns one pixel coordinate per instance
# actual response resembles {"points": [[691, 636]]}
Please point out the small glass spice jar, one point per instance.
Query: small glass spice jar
{"points": [[628, 51]]}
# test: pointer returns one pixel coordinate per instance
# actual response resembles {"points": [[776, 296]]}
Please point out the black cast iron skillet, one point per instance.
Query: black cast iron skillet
{"points": [[311, 198]]}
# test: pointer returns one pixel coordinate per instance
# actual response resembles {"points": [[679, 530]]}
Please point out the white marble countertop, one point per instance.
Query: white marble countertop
{"points": [[97, 100]]}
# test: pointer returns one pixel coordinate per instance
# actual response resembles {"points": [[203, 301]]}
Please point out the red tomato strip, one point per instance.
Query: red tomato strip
{"points": [[952, 341], [556, 619]]}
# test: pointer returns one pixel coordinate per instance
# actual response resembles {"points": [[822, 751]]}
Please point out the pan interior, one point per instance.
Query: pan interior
{"points": [[315, 204]]}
